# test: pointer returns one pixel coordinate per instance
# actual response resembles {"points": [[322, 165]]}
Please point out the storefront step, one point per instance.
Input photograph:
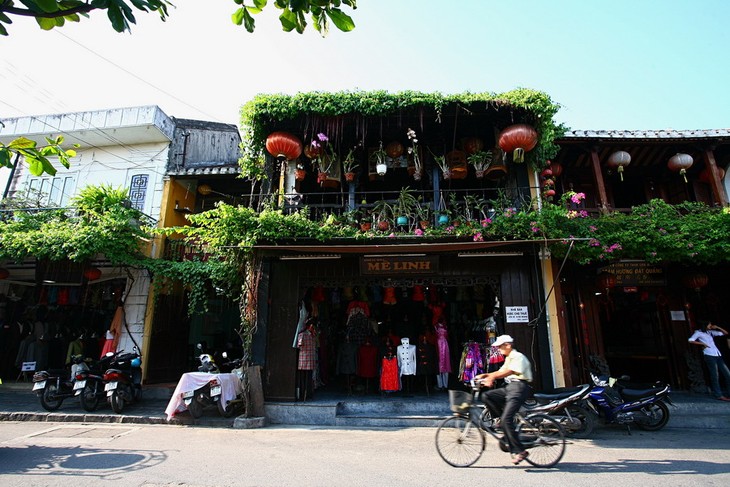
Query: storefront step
{"points": [[298, 413]]}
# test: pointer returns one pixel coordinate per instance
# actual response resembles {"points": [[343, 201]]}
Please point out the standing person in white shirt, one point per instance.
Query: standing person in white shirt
{"points": [[704, 337]]}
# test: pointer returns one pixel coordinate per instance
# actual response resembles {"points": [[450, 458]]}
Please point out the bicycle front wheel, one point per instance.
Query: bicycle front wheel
{"points": [[460, 441], [544, 438]]}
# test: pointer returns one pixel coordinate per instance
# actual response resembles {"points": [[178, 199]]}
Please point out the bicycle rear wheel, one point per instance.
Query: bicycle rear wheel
{"points": [[459, 441], [544, 438]]}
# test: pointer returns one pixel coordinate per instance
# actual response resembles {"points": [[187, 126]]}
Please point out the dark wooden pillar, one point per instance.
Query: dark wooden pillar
{"points": [[598, 180], [718, 191]]}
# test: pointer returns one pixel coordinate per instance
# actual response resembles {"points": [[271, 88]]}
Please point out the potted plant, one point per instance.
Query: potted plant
{"points": [[405, 207], [382, 213], [379, 157], [423, 212], [443, 165], [481, 161], [349, 165], [415, 169]]}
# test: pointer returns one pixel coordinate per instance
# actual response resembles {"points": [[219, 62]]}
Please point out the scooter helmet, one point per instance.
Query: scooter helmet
{"points": [[136, 362]]}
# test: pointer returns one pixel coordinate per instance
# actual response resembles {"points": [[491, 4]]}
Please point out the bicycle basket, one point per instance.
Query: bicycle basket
{"points": [[460, 401]]}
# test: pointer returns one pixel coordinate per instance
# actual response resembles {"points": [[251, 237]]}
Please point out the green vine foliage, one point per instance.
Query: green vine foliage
{"points": [[260, 116]]}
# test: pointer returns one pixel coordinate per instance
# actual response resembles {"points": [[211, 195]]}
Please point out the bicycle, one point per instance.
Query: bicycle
{"points": [[461, 440]]}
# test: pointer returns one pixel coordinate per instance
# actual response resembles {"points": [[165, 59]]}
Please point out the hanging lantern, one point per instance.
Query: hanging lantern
{"points": [[4, 273], [472, 145], [605, 281], [695, 280], [283, 145], [680, 162], [546, 173], [518, 139], [556, 168], [456, 160], [394, 149], [618, 160], [92, 273], [705, 174]]}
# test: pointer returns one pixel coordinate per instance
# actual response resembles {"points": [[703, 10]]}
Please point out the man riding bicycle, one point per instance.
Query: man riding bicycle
{"points": [[517, 374]]}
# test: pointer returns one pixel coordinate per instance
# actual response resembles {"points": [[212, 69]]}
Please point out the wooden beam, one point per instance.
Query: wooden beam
{"points": [[598, 180], [718, 191]]}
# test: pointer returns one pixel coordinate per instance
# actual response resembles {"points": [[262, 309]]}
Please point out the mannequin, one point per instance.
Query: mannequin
{"points": [[306, 362], [444, 368], [406, 363]]}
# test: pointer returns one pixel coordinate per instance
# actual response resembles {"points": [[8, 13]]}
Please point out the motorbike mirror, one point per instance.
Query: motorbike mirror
{"points": [[224, 354]]}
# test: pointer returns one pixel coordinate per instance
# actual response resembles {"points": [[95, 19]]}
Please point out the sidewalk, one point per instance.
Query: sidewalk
{"points": [[18, 403]]}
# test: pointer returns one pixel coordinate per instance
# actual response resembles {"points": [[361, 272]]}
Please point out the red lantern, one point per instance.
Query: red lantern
{"points": [[394, 150], [283, 145], [472, 145], [4, 273], [92, 273], [518, 139], [557, 169], [546, 173], [680, 163], [605, 281], [618, 160], [549, 193], [705, 174], [695, 280], [548, 182]]}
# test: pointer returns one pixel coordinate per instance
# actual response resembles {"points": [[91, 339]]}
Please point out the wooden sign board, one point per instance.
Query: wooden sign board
{"points": [[636, 273], [389, 265]]}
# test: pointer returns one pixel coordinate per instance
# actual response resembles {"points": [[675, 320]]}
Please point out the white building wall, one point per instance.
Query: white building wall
{"points": [[135, 305]]}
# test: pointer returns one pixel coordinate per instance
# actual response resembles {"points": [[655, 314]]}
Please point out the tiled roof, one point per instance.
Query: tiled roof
{"points": [[647, 134]]}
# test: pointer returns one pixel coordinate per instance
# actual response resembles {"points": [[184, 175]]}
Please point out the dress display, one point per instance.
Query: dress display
{"points": [[389, 376]]}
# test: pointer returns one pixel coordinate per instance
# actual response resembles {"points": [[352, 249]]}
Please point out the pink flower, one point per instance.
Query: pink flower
{"points": [[391, 235], [418, 232], [478, 237], [577, 198], [486, 222], [592, 228]]}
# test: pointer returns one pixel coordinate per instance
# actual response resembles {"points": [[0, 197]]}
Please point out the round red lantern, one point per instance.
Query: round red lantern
{"points": [[705, 174], [680, 162], [605, 280], [472, 145], [4, 273], [92, 273], [556, 168], [394, 149], [618, 160], [283, 145], [695, 280], [546, 173], [518, 139], [548, 193]]}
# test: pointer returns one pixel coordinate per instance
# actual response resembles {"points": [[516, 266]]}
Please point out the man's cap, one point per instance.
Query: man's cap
{"points": [[502, 339]]}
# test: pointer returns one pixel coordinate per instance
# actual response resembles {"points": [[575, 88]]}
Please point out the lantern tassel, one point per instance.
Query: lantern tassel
{"points": [[621, 172], [518, 155], [683, 172]]}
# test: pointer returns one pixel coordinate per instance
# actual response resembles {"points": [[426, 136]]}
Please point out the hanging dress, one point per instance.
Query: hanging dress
{"points": [[389, 377], [442, 343]]}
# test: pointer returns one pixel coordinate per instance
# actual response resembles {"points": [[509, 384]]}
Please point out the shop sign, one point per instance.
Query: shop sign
{"points": [[636, 273], [398, 264], [27, 367], [516, 314]]}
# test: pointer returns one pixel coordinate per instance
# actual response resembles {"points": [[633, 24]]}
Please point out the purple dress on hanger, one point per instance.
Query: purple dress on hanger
{"points": [[442, 342]]}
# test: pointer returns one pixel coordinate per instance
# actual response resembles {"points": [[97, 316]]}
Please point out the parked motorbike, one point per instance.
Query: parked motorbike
{"points": [[53, 386], [89, 384], [123, 380], [196, 400], [236, 406], [620, 402], [564, 405]]}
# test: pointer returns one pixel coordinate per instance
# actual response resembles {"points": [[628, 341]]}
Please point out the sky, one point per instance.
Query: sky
{"points": [[612, 65]]}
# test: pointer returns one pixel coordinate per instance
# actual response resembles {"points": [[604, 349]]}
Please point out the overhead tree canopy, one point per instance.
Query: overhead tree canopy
{"points": [[52, 13]]}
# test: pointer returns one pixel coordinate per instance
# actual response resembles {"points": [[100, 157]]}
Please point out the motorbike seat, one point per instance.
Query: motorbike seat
{"points": [[633, 394], [556, 394]]}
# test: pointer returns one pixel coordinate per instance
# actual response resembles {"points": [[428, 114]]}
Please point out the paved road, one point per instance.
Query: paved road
{"points": [[40, 454]]}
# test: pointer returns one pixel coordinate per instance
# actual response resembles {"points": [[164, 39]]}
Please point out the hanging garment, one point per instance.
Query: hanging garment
{"points": [[114, 332], [300, 323], [389, 297], [418, 295], [472, 364], [357, 328], [347, 294], [367, 361], [318, 294], [406, 357], [307, 351], [425, 358], [355, 306], [376, 293], [389, 377], [347, 358], [437, 312], [442, 342]]}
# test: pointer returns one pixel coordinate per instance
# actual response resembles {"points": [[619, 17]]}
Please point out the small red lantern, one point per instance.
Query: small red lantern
{"points": [[680, 162], [705, 174], [557, 169], [283, 145], [472, 145], [546, 173], [618, 160], [4, 273], [695, 280], [92, 273], [606, 281], [518, 139], [394, 149]]}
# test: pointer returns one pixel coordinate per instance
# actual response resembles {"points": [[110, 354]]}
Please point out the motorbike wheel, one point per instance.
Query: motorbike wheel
{"points": [[659, 414], [195, 408], [117, 402], [89, 398], [587, 422], [49, 401]]}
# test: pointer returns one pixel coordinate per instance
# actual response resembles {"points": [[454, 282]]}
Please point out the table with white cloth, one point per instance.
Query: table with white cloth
{"points": [[191, 381]]}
